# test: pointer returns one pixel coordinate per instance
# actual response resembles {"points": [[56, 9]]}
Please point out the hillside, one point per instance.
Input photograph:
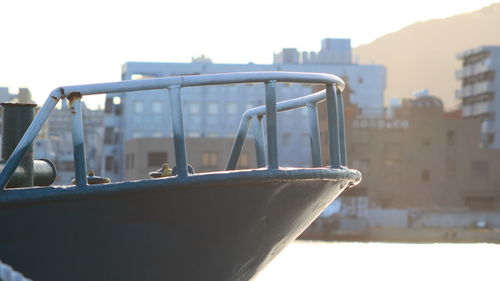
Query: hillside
{"points": [[423, 55]]}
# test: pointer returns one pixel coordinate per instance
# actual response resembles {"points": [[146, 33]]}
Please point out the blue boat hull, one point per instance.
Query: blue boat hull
{"points": [[224, 226]]}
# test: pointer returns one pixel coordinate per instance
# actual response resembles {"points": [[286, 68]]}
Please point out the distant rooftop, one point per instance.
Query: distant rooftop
{"points": [[476, 51], [333, 51]]}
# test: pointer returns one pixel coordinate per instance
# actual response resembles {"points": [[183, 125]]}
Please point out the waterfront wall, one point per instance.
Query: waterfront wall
{"points": [[458, 219]]}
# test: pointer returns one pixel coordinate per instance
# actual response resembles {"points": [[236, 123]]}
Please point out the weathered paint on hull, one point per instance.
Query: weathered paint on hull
{"points": [[207, 228]]}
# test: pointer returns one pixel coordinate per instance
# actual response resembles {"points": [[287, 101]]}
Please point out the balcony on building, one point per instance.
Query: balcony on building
{"points": [[474, 69], [478, 109], [475, 89]]}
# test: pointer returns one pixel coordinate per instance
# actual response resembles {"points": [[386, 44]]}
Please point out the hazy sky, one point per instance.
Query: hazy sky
{"points": [[50, 43]]}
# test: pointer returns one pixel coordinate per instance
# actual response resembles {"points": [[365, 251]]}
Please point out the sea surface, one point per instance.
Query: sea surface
{"points": [[344, 261]]}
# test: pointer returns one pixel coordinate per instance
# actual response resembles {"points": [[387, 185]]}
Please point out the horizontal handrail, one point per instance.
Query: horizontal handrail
{"points": [[334, 85], [205, 80], [288, 104]]}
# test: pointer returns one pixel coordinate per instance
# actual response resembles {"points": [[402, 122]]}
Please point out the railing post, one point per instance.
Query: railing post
{"points": [[314, 135], [342, 144], [238, 143], [333, 125], [260, 152], [272, 126], [75, 107], [178, 128], [28, 137]]}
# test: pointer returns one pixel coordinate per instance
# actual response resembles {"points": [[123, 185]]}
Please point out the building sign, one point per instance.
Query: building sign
{"points": [[380, 124]]}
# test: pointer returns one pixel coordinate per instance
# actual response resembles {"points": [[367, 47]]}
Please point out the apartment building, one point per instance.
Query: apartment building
{"points": [[480, 85]]}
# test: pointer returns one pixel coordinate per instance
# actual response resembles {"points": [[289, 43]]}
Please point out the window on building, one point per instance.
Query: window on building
{"points": [[426, 175], [136, 76], [451, 168], [243, 161], [232, 107], [209, 159], [139, 76], [451, 137], [118, 109], [157, 134], [480, 170], [490, 138], [157, 158], [213, 108], [109, 163], [286, 139], [194, 134], [138, 106], [137, 134], [108, 105], [194, 108], [109, 135], [157, 107], [426, 141]]}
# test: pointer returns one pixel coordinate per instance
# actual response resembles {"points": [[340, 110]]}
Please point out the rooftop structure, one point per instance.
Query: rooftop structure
{"points": [[333, 51]]}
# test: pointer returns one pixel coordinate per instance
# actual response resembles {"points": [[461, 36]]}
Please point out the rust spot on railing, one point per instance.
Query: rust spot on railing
{"points": [[71, 98], [74, 95]]}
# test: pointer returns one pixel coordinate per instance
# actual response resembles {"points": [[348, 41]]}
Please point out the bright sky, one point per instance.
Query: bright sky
{"points": [[50, 43]]}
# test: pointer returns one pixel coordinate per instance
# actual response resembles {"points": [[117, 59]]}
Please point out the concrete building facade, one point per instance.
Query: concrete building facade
{"points": [[422, 158], [145, 155], [215, 111], [480, 87]]}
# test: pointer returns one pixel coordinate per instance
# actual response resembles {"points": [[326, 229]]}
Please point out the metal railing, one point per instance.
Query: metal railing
{"points": [[334, 86]]}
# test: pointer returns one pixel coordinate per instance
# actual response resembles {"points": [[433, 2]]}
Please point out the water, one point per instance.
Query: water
{"points": [[320, 261]]}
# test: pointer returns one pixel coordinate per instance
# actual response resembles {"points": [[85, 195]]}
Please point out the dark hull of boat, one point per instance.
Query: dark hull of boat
{"points": [[223, 226]]}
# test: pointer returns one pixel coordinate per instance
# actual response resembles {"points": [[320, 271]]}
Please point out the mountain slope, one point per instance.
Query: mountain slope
{"points": [[423, 55]]}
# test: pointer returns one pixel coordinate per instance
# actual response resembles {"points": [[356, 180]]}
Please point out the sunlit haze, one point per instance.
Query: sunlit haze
{"points": [[50, 43], [320, 261]]}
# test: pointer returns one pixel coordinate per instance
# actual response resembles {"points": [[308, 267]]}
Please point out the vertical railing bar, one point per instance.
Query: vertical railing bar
{"points": [[314, 135], [29, 136], [260, 152], [75, 106], [178, 130], [271, 124], [342, 136], [333, 125], [238, 143]]}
